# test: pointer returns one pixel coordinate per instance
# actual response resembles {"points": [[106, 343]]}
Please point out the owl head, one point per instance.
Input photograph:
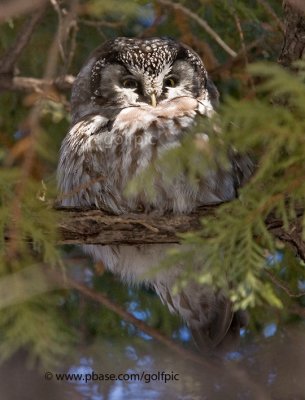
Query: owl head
{"points": [[130, 72]]}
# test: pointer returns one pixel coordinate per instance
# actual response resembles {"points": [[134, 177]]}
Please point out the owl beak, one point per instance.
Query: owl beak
{"points": [[153, 100]]}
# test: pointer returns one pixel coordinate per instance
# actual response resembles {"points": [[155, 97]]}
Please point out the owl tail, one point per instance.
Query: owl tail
{"points": [[223, 332], [210, 316]]}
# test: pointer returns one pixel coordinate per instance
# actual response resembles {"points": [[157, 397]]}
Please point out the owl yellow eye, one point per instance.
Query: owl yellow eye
{"points": [[130, 83], [170, 82]]}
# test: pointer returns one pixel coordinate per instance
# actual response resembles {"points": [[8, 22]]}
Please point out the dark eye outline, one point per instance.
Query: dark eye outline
{"points": [[130, 83], [170, 81]]}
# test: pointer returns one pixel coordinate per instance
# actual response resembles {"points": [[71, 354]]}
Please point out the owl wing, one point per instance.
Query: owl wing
{"points": [[243, 168], [85, 173], [210, 315]]}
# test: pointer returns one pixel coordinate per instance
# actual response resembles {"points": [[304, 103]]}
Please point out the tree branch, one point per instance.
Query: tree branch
{"points": [[201, 22], [28, 84], [294, 41], [272, 13], [128, 317], [94, 226], [10, 58], [211, 364], [282, 285]]}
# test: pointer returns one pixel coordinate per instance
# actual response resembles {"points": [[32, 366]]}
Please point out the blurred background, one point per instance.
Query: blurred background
{"points": [[44, 324]]}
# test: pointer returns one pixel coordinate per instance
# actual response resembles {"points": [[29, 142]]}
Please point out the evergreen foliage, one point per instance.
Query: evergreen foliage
{"points": [[234, 246]]}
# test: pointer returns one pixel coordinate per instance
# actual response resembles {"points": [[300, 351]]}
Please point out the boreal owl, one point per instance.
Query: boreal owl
{"points": [[132, 100]]}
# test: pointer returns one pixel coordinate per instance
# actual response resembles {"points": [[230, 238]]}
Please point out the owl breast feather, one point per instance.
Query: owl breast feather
{"points": [[97, 163]]}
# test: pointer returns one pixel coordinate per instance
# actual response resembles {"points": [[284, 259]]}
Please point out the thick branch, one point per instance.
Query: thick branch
{"points": [[100, 227], [294, 42]]}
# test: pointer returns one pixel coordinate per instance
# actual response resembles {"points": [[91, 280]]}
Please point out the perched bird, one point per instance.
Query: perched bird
{"points": [[132, 100]]}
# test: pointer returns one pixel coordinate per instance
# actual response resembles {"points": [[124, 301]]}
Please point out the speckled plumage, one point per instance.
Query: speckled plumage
{"points": [[116, 133]]}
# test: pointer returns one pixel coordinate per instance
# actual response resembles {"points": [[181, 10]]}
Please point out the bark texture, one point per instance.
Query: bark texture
{"points": [[94, 226], [294, 38]]}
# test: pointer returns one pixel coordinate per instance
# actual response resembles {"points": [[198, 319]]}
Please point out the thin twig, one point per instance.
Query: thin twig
{"points": [[67, 27], [279, 283], [203, 23], [272, 13], [240, 55], [11, 56], [99, 24], [142, 326], [27, 84], [72, 49], [60, 29], [243, 47], [33, 123]]}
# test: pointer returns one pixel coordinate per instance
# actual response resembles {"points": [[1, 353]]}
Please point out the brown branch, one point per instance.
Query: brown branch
{"points": [[291, 236], [201, 22], [11, 56], [28, 84], [279, 283], [294, 41], [39, 279], [128, 317], [33, 126], [272, 13], [101, 23], [243, 48], [66, 33], [94, 226], [210, 364], [228, 65], [100, 227]]}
